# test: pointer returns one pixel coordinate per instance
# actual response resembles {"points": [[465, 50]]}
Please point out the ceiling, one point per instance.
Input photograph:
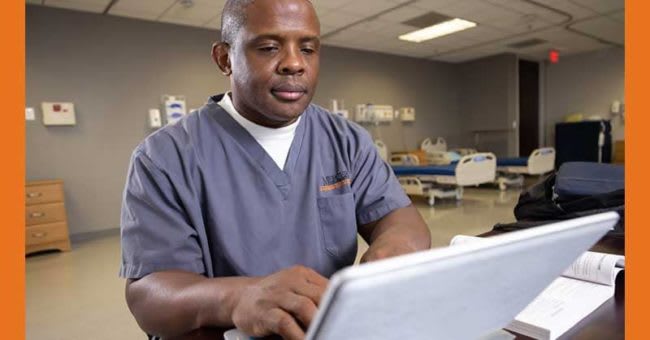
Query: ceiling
{"points": [[570, 26]]}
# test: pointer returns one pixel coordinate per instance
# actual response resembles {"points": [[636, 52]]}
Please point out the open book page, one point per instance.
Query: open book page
{"points": [[591, 266], [560, 306], [596, 267]]}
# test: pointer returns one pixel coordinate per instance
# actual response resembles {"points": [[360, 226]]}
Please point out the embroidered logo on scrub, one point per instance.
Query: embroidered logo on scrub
{"points": [[341, 179]]}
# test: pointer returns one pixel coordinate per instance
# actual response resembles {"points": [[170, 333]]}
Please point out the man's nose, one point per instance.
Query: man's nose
{"points": [[292, 62]]}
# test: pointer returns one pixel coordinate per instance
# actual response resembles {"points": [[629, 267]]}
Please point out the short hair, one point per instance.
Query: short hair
{"points": [[233, 19]]}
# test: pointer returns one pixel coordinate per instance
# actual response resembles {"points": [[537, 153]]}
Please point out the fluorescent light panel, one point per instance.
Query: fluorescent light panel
{"points": [[438, 30]]}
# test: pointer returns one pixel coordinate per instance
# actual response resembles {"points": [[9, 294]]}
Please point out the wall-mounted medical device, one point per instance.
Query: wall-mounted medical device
{"points": [[381, 113], [373, 113], [175, 108], [58, 113], [407, 114]]}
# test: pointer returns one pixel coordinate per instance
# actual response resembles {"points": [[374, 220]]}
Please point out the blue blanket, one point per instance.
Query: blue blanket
{"points": [[414, 170], [522, 161]]}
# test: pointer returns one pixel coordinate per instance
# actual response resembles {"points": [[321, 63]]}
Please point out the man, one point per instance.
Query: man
{"points": [[236, 215]]}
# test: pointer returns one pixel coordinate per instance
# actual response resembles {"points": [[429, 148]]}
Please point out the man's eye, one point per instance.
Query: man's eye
{"points": [[308, 50], [268, 48]]}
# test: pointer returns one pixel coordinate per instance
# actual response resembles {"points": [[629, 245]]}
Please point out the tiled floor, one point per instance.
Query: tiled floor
{"points": [[78, 295]]}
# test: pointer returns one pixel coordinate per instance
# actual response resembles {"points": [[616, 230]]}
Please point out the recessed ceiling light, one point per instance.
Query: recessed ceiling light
{"points": [[438, 30]]}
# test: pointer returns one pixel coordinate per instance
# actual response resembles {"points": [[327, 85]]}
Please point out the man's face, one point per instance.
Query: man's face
{"points": [[275, 61]]}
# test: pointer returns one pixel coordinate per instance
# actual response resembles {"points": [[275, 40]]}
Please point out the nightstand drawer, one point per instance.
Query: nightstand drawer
{"points": [[46, 193], [46, 233], [44, 213]]}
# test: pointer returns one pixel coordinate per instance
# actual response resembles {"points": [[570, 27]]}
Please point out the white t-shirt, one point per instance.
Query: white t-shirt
{"points": [[275, 141]]}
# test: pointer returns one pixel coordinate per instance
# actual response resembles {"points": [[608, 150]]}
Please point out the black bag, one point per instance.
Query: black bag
{"points": [[541, 204]]}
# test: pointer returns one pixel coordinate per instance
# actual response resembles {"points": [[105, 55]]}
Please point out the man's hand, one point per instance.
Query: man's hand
{"points": [[283, 303]]}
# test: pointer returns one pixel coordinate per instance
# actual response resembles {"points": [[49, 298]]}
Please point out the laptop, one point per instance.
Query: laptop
{"points": [[467, 291]]}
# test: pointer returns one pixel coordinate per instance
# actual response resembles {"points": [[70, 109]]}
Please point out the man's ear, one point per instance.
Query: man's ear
{"points": [[221, 56]]}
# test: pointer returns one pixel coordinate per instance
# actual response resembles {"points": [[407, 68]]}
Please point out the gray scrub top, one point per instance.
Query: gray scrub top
{"points": [[203, 196]]}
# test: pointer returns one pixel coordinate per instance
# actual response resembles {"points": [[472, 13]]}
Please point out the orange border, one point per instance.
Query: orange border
{"points": [[12, 171], [637, 167]]}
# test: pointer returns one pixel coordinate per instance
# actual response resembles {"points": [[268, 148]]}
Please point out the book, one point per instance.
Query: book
{"points": [[580, 290]]}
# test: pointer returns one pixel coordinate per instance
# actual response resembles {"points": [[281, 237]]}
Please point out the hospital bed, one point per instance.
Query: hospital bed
{"points": [[443, 181], [438, 154], [511, 171], [441, 145], [428, 145], [414, 158], [465, 151], [442, 157]]}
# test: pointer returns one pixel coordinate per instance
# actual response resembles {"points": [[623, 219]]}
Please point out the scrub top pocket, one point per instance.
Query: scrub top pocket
{"points": [[338, 224]]}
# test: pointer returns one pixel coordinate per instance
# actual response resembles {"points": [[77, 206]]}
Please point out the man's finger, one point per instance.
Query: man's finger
{"points": [[317, 279], [310, 291], [301, 307], [283, 324]]}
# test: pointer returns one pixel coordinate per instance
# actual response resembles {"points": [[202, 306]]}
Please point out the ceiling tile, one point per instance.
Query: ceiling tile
{"points": [[403, 14], [487, 15], [324, 29], [603, 27], [329, 4], [518, 23], [215, 23], [601, 6], [370, 26], [576, 10], [338, 19], [618, 16], [468, 9], [97, 6], [558, 35], [372, 42], [321, 11], [148, 10], [197, 15], [436, 5], [494, 16], [366, 8], [526, 9]]}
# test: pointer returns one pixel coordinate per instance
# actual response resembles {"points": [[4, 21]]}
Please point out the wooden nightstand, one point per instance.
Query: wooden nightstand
{"points": [[46, 223]]}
